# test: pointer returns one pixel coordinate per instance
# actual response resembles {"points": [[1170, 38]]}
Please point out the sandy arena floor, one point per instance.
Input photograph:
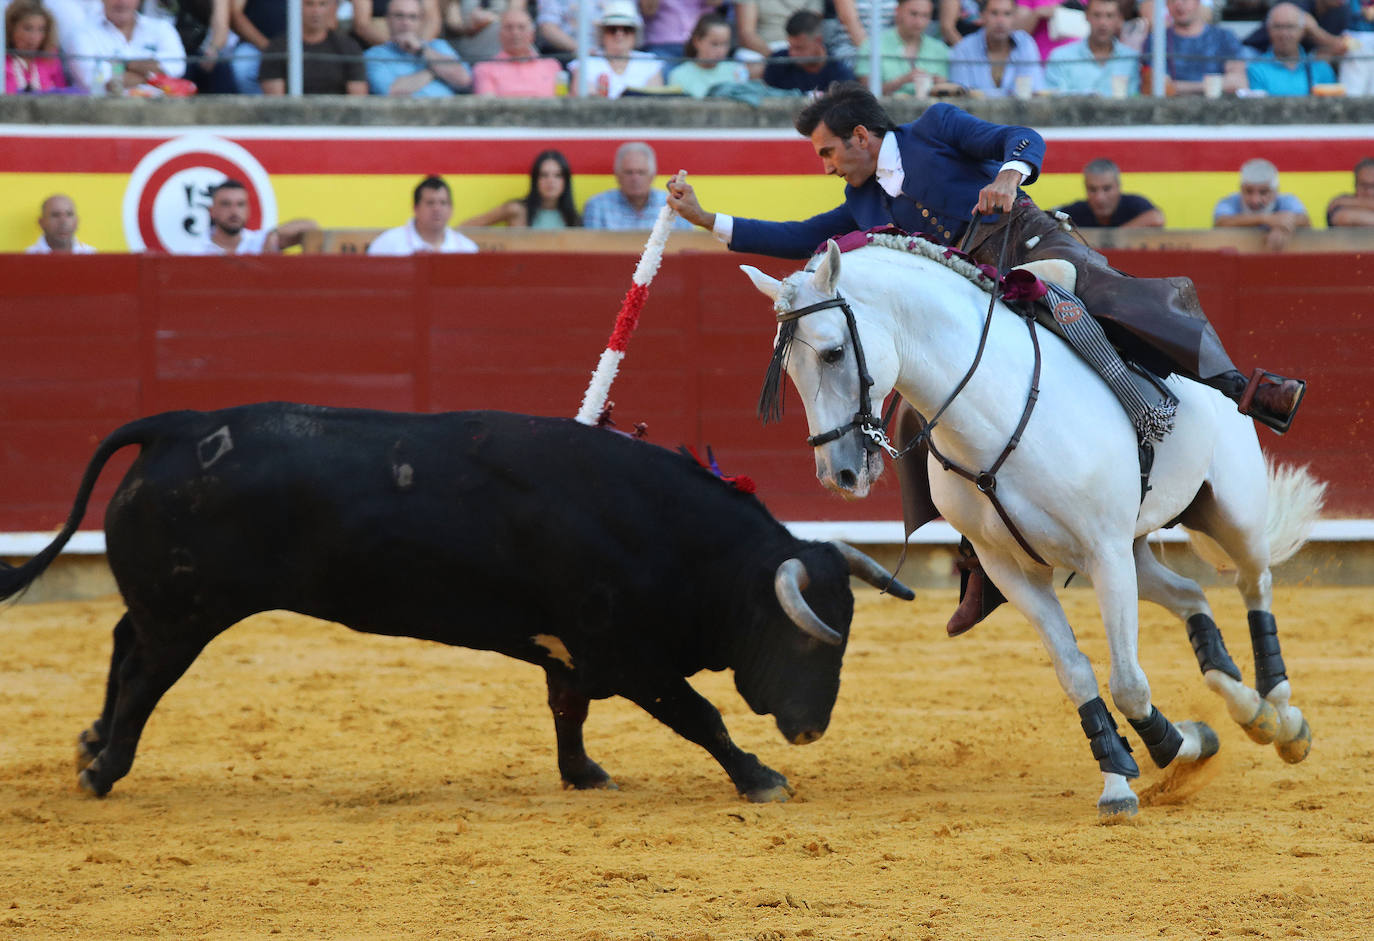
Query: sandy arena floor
{"points": [[306, 781]]}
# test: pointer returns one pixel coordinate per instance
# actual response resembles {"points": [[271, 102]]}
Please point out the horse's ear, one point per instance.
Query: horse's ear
{"points": [[766, 284], [828, 271]]}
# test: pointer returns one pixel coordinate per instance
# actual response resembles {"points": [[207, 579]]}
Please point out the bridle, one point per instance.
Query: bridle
{"points": [[874, 431]]}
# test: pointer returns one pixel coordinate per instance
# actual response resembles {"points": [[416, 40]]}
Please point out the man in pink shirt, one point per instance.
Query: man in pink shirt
{"points": [[517, 71]]}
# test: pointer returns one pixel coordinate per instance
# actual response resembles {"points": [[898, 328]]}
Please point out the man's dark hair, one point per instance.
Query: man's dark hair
{"points": [[1365, 164], [803, 23], [843, 107], [229, 184], [431, 183]]}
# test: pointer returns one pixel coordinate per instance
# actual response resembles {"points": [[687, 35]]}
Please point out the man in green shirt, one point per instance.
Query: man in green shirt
{"points": [[908, 54]]}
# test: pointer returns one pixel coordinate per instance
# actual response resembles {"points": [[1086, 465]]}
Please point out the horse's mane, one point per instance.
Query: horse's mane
{"points": [[771, 396]]}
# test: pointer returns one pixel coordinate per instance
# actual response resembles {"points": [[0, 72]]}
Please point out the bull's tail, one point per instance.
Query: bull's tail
{"points": [[14, 580]]}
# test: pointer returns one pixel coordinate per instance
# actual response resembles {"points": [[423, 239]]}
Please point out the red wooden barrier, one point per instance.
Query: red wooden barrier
{"points": [[88, 343]]}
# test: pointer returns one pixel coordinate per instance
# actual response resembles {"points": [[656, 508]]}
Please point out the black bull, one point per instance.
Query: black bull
{"points": [[618, 567]]}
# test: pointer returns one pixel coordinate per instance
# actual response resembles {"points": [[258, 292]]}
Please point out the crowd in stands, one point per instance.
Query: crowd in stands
{"points": [[736, 48], [635, 203]]}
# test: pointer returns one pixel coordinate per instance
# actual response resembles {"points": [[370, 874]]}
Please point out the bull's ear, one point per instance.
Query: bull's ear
{"points": [[767, 285], [828, 271]]}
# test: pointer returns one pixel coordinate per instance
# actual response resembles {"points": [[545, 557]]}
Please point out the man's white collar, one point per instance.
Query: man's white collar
{"points": [[889, 170]]}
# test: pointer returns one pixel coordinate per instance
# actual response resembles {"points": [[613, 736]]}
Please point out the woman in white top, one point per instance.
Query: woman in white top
{"points": [[619, 66]]}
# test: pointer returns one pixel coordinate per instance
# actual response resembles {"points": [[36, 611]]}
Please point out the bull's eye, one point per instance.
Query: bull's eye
{"points": [[832, 356]]}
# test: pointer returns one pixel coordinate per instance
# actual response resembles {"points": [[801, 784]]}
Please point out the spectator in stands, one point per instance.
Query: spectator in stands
{"points": [[959, 18], [144, 46], [1091, 66], [1324, 22], [761, 25], [1287, 69], [1357, 69], [620, 66], [517, 71], [1034, 16], [370, 27], [31, 62], [1106, 206], [472, 27], [58, 220], [409, 67], [333, 61], [635, 203], [906, 52], [547, 205], [708, 61], [669, 23], [255, 22], [428, 230], [804, 65], [203, 26], [1260, 204], [1355, 208], [228, 235], [556, 27], [1195, 48], [992, 59]]}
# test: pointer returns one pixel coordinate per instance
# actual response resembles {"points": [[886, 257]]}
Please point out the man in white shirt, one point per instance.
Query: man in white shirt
{"points": [[428, 231], [229, 216], [58, 220], [147, 46]]}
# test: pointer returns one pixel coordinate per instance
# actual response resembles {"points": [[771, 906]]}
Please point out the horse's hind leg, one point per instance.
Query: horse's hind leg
{"points": [[1238, 528]]}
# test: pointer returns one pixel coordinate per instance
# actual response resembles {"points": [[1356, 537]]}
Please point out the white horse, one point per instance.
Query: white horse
{"points": [[1071, 487]]}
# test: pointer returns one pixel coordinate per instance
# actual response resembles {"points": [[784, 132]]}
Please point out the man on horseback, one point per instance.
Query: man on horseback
{"points": [[930, 177]]}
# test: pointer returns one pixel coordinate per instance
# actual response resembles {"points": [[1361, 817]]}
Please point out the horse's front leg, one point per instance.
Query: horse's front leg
{"points": [[1032, 592]]}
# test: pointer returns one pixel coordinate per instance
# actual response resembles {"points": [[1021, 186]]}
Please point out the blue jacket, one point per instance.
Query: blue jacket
{"points": [[948, 155]]}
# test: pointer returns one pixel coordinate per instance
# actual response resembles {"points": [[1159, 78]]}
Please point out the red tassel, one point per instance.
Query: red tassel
{"points": [[628, 318]]}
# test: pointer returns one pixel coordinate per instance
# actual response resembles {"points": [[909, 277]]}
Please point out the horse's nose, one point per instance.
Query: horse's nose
{"points": [[847, 479]]}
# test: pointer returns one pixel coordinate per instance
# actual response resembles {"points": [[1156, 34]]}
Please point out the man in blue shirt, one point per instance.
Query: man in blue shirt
{"points": [[804, 65], [1195, 48], [1259, 204], [930, 176], [1287, 69], [1088, 67], [409, 67], [634, 203]]}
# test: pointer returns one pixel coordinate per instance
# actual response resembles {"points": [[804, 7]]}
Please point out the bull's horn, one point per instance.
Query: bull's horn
{"points": [[862, 567], [788, 584]]}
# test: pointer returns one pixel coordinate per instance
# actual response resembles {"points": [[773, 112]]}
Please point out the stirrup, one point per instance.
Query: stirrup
{"points": [[1246, 405]]}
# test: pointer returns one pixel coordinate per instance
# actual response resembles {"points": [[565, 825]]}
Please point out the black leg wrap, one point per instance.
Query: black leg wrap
{"points": [[1160, 737], [1209, 647], [1264, 637], [1110, 748]]}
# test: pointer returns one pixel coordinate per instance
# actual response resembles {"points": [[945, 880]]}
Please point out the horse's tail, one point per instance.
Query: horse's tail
{"points": [[14, 579], [1296, 499]]}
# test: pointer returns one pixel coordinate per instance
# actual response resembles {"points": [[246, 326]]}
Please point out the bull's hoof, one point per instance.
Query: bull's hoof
{"points": [[1263, 726], [88, 782], [1208, 742], [1297, 748], [1117, 809], [589, 777], [85, 754], [765, 795]]}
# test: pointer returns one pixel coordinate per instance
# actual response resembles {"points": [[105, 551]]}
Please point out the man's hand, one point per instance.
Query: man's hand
{"points": [[1000, 194], [683, 200]]}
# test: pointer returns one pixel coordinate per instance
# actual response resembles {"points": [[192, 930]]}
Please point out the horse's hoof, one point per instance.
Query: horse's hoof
{"points": [[1297, 748], [1208, 742], [1263, 726], [86, 781], [1117, 809]]}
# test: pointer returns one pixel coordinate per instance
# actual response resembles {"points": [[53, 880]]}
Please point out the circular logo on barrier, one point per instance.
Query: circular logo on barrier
{"points": [[167, 200], [1067, 312]]}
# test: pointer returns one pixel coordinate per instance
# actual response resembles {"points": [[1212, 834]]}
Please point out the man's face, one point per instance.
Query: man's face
{"points": [[1184, 13], [517, 33], [1364, 183], [1104, 192], [997, 18], [229, 210], [854, 159], [58, 220], [1285, 31], [807, 47], [433, 210], [403, 20], [633, 176], [912, 17], [121, 12], [317, 16], [1258, 197], [1104, 22]]}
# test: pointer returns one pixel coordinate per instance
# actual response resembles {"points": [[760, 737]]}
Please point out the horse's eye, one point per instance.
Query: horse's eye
{"points": [[833, 356]]}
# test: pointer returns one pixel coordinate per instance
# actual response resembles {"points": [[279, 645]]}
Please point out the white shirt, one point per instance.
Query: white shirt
{"points": [[888, 172], [640, 70], [405, 240], [99, 39], [251, 242], [41, 247]]}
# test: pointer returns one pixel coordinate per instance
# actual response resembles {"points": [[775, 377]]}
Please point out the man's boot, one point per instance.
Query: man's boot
{"points": [[978, 596], [1271, 399]]}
